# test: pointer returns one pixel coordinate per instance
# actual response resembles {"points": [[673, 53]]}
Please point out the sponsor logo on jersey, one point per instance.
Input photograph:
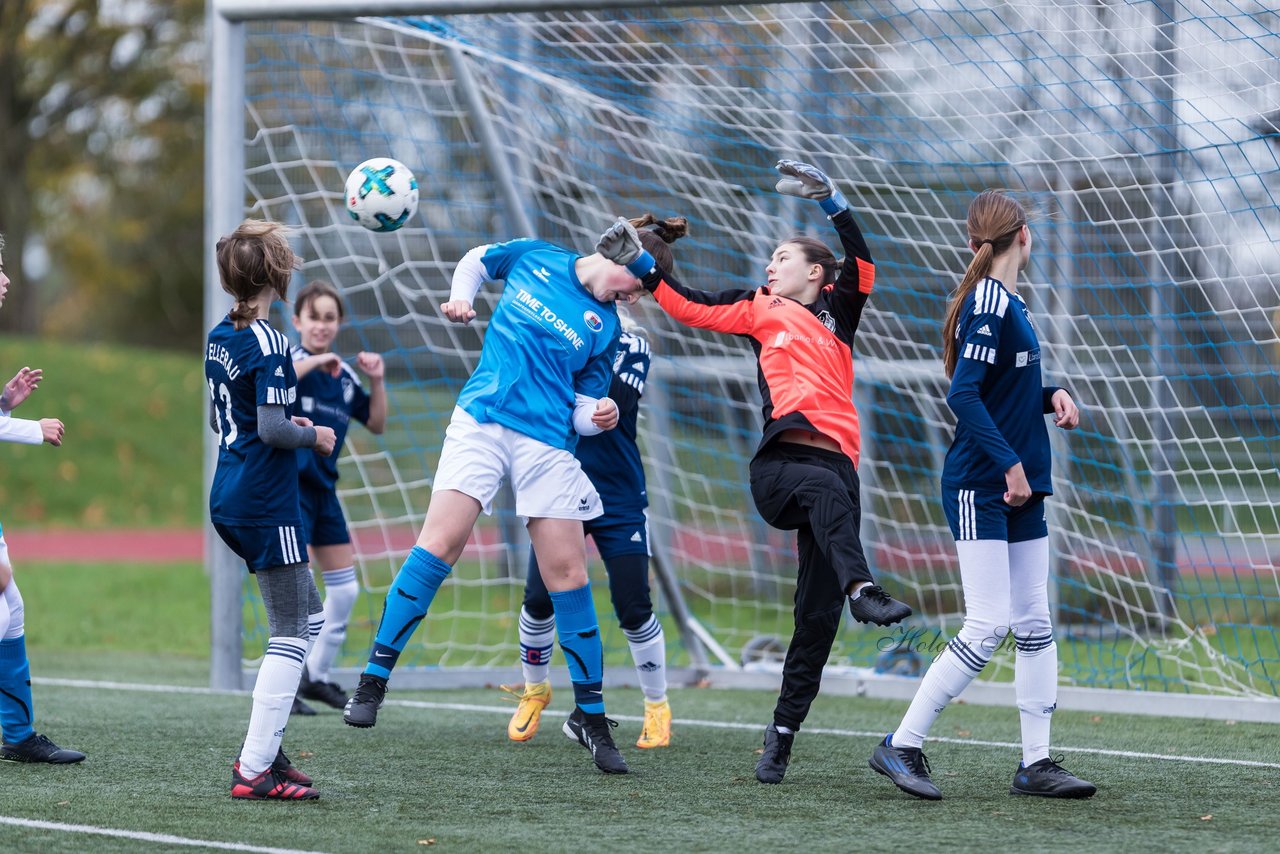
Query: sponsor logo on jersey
{"points": [[308, 403], [535, 308], [594, 323], [636, 538], [280, 371], [543, 274], [584, 505], [984, 330], [777, 301], [1027, 357]]}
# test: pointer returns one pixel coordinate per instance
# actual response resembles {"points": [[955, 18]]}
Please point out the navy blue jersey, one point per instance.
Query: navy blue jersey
{"points": [[328, 401], [997, 395], [612, 459], [255, 484], [548, 340]]}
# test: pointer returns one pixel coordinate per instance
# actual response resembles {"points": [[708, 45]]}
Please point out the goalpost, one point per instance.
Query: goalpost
{"points": [[1144, 135]]}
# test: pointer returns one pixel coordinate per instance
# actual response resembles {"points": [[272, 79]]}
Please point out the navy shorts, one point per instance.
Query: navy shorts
{"points": [[322, 521], [264, 548], [624, 534], [979, 515]]}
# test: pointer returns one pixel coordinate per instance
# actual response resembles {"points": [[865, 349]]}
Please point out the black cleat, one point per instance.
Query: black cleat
{"points": [[283, 767], [362, 709], [873, 605], [38, 748], [323, 692], [906, 767], [592, 732], [1048, 779], [301, 708], [776, 756]]}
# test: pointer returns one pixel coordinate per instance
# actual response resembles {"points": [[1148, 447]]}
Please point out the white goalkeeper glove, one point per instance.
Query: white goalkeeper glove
{"points": [[620, 243], [809, 182]]}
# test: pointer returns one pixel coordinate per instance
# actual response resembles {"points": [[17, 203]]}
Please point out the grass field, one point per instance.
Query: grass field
{"points": [[437, 772]]}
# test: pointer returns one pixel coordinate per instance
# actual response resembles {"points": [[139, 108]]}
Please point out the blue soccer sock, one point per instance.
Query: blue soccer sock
{"points": [[579, 632], [407, 603], [16, 709]]}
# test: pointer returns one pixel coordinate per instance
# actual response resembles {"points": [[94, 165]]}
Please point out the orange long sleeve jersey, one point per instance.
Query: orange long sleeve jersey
{"points": [[804, 353]]}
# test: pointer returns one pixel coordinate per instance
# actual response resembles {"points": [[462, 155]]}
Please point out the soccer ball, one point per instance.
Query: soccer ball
{"points": [[381, 194]]}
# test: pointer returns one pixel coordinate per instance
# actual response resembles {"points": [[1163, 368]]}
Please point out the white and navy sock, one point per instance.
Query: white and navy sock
{"points": [[537, 638], [340, 591], [649, 652], [273, 694], [1035, 675]]}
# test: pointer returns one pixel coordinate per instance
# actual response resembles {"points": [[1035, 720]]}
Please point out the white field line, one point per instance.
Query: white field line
{"points": [[843, 733], [140, 836]]}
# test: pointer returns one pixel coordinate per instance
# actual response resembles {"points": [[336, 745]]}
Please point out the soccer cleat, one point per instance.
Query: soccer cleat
{"points": [[323, 692], [362, 709], [38, 748], [873, 605], [907, 767], [776, 756], [657, 725], [1048, 779], [270, 785], [284, 767], [524, 723], [592, 732], [301, 708]]}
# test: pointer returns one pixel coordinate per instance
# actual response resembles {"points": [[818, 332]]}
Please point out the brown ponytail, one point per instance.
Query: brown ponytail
{"points": [[995, 218], [254, 256], [656, 235]]}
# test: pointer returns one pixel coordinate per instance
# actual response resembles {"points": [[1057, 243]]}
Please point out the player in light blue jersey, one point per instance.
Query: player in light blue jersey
{"points": [[330, 393], [541, 381], [17, 711], [253, 502], [621, 534], [994, 483]]}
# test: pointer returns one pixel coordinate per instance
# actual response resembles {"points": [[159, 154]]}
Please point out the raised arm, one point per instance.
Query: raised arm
{"points": [[857, 273]]}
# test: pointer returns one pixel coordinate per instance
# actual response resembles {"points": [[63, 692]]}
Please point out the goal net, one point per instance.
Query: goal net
{"points": [[1144, 136]]}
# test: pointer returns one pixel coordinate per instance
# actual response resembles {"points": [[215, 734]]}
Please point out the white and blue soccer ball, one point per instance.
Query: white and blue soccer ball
{"points": [[381, 194]]}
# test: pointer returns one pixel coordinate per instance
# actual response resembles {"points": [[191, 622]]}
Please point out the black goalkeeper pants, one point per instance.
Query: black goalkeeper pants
{"points": [[813, 492]]}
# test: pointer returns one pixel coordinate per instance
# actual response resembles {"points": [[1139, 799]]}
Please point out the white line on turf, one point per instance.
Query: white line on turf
{"points": [[844, 733], [140, 836]]}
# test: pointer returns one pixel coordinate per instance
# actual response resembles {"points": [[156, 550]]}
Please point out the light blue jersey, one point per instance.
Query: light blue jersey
{"points": [[549, 339]]}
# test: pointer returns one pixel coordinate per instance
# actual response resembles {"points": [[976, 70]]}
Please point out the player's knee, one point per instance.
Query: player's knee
{"points": [[821, 623], [539, 608], [11, 598], [985, 631], [634, 614]]}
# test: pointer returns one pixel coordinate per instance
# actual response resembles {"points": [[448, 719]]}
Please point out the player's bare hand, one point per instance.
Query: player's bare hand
{"points": [[20, 387], [371, 365], [606, 415], [52, 430], [302, 421], [458, 310], [1065, 413], [326, 440], [1018, 490]]}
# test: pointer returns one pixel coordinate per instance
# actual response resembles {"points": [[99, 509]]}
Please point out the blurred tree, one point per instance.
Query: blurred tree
{"points": [[101, 127]]}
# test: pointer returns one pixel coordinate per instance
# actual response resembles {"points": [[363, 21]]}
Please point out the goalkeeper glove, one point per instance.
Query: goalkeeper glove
{"points": [[810, 182], [620, 243]]}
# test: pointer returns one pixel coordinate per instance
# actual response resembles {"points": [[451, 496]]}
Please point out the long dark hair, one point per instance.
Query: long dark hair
{"points": [[657, 235], [254, 256], [995, 218]]}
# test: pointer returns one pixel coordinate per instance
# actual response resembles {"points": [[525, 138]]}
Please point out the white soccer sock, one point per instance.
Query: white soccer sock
{"points": [[273, 694], [1035, 675], [649, 652], [537, 639], [946, 678], [1035, 680], [340, 592]]}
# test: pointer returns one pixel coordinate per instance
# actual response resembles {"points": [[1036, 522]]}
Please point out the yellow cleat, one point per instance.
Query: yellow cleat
{"points": [[524, 723], [657, 725]]}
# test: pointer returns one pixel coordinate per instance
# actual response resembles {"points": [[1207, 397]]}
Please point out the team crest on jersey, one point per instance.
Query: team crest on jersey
{"points": [[348, 390], [825, 318], [308, 403], [617, 360], [594, 323]]}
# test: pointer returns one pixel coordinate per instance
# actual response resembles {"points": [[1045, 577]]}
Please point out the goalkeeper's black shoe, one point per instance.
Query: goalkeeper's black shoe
{"points": [[592, 732], [1048, 779], [362, 708], [773, 762], [323, 692], [301, 708], [38, 748], [873, 605], [906, 767]]}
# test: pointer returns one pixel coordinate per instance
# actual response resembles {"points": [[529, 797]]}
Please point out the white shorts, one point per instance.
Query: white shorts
{"points": [[548, 482]]}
